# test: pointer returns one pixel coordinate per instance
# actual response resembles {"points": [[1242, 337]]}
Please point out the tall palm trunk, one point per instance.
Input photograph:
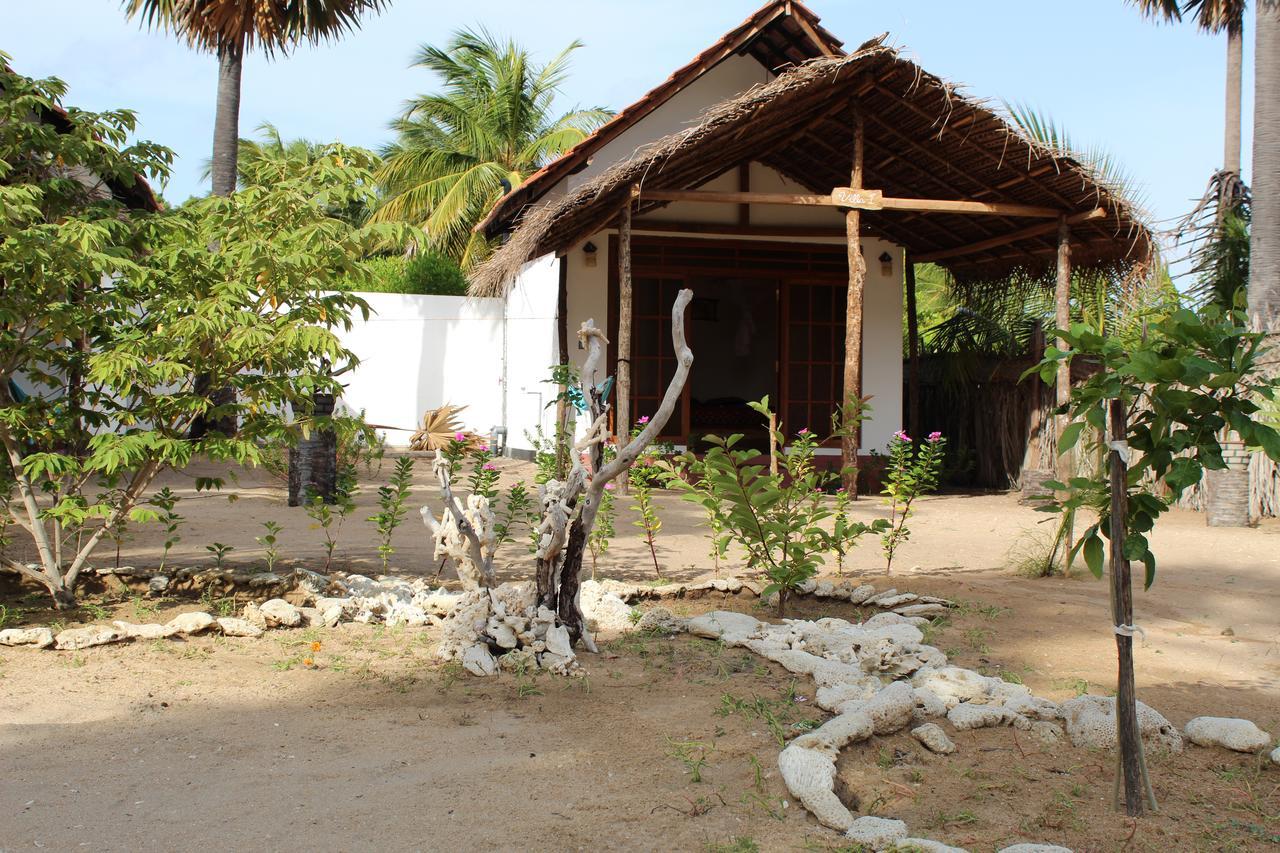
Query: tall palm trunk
{"points": [[226, 122], [1235, 61], [1264, 235], [226, 146]]}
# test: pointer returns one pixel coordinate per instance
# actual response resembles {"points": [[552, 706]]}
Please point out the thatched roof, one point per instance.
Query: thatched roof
{"points": [[923, 140]]}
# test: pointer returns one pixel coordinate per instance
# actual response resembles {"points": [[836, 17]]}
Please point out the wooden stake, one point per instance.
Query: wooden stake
{"points": [[913, 350], [1062, 318], [1130, 742], [852, 440], [622, 423]]}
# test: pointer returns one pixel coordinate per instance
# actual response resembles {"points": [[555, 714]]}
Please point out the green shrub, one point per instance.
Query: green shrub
{"points": [[425, 274], [429, 273]]}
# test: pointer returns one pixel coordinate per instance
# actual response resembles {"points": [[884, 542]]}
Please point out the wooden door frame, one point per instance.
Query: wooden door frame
{"points": [[837, 276]]}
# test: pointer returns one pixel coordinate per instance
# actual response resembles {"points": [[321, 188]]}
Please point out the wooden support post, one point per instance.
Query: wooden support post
{"points": [[1130, 742], [562, 441], [1062, 319], [913, 350], [852, 440], [622, 421]]}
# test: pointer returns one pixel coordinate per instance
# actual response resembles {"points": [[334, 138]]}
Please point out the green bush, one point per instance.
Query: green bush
{"points": [[429, 273], [426, 274]]}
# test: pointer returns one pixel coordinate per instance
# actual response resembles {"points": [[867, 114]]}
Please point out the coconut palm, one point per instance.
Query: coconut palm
{"points": [[1264, 237], [489, 128], [229, 28]]}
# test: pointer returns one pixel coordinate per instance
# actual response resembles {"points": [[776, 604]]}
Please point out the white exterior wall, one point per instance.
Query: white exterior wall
{"points": [[532, 350], [420, 352], [730, 78]]}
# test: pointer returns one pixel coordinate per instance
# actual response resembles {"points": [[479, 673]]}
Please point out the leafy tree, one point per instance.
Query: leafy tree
{"points": [[229, 28], [271, 156], [135, 304], [489, 128]]}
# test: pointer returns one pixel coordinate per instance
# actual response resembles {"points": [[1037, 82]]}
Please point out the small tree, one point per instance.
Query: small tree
{"points": [[777, 517], [125, 308], [1160, 405], [912, 471]]}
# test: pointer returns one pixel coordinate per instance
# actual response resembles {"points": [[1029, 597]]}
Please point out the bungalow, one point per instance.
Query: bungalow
{"points": [[792, 186]]}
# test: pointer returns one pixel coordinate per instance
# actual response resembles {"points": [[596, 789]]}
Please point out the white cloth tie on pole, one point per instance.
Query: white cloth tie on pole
{"points": [[1130, 630], [1121, 447]]}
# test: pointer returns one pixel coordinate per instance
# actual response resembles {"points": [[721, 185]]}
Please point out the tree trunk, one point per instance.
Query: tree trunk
{"points": [[1062, 318], [1264, 239], [913, 351], [1232, 119], [226, 122], [313, 463], [851, 442], [623, 413]]}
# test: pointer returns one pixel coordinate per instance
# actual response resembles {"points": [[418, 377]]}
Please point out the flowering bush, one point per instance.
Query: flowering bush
{"points": [[912, 471], [777, 518]]}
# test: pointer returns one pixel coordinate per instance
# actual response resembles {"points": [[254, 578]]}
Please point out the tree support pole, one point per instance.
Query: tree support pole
{"points": [[623, 413], [913, 350], [1132, 767], [852, 440], [1062, 319]]}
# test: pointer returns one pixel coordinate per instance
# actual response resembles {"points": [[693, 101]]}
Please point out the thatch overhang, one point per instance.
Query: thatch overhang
{"points": [[779, 35], [923, 140]]}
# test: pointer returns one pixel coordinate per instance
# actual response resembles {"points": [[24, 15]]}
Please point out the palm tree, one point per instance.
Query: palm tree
{"points": [[487, 130], [1264, 237], [264, 160], [227, 28], [1216, 16]]}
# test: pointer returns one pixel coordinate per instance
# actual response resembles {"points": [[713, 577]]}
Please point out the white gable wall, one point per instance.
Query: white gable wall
{"points": [[729, 79]]}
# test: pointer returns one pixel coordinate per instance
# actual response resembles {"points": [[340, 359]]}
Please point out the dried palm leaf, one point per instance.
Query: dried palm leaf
{"points": [[439, 427]]}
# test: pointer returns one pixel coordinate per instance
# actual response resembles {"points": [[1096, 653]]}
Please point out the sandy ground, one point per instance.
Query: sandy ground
{"points": [[236, 743]]}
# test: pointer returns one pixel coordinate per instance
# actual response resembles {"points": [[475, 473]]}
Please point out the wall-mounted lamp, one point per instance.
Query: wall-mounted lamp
{"points": [[589, 254], [886, 264]]}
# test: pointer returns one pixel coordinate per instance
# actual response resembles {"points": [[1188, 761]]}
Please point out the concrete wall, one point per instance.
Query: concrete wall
{"points": [[420, 352]]}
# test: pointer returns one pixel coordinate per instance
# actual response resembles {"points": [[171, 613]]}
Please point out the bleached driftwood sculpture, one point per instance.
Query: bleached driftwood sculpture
{"points": [[464, 537], [569, 508]]}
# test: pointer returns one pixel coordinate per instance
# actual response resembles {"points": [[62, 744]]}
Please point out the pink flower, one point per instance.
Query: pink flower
{"points": [[489, 466], [459, 436], [804, 431], [608, 487], [840, 491], [935, 437], [901, 435], [484, 448], [644, 419]]}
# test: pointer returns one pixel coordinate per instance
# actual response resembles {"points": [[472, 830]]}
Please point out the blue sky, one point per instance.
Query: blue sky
{"points": [[1152, 95]]}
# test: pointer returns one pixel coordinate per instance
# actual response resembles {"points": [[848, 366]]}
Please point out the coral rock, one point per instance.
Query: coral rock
{"points": [[967, 716], [876, 833], [953, 684], [477, 660], [189, 623], [41, 638], [1229, 732], [733, 628], [934, 738], [233, 627], [1091, 723], [144, 632], [82, 638], [1048, 733], [660, 620], [280, 613]]}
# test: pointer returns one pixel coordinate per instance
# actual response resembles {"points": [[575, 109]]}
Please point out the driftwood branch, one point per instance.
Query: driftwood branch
{"points": [[563, 536], [465, 536]]}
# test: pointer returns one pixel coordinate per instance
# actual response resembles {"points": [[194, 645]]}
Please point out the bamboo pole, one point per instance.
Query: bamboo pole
{"points": [[913, 350], [622, 423], [852, 440]]}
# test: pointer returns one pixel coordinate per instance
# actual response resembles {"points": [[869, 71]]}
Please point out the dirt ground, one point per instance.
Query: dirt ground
{"points": [[238, 743]]}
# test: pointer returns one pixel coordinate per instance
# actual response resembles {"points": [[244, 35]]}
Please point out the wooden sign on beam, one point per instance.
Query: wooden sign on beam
{"points": [[864, 199]]}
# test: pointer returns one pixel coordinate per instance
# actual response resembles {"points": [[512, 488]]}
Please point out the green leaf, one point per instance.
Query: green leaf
{"points": [[1070, 435], [1149, 560], [1093, 555]]}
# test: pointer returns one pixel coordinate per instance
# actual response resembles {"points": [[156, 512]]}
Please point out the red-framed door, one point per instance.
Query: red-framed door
{"points": [[812, 357]]}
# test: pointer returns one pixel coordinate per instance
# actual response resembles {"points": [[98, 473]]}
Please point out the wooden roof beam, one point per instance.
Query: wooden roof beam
{"points": [[1012, 237]]}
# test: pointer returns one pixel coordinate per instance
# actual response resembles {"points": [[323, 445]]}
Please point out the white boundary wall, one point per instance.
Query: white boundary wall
{"points": [[420, 352]]}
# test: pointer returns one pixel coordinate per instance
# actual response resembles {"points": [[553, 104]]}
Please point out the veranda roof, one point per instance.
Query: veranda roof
{"points": [[923, 140]]}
